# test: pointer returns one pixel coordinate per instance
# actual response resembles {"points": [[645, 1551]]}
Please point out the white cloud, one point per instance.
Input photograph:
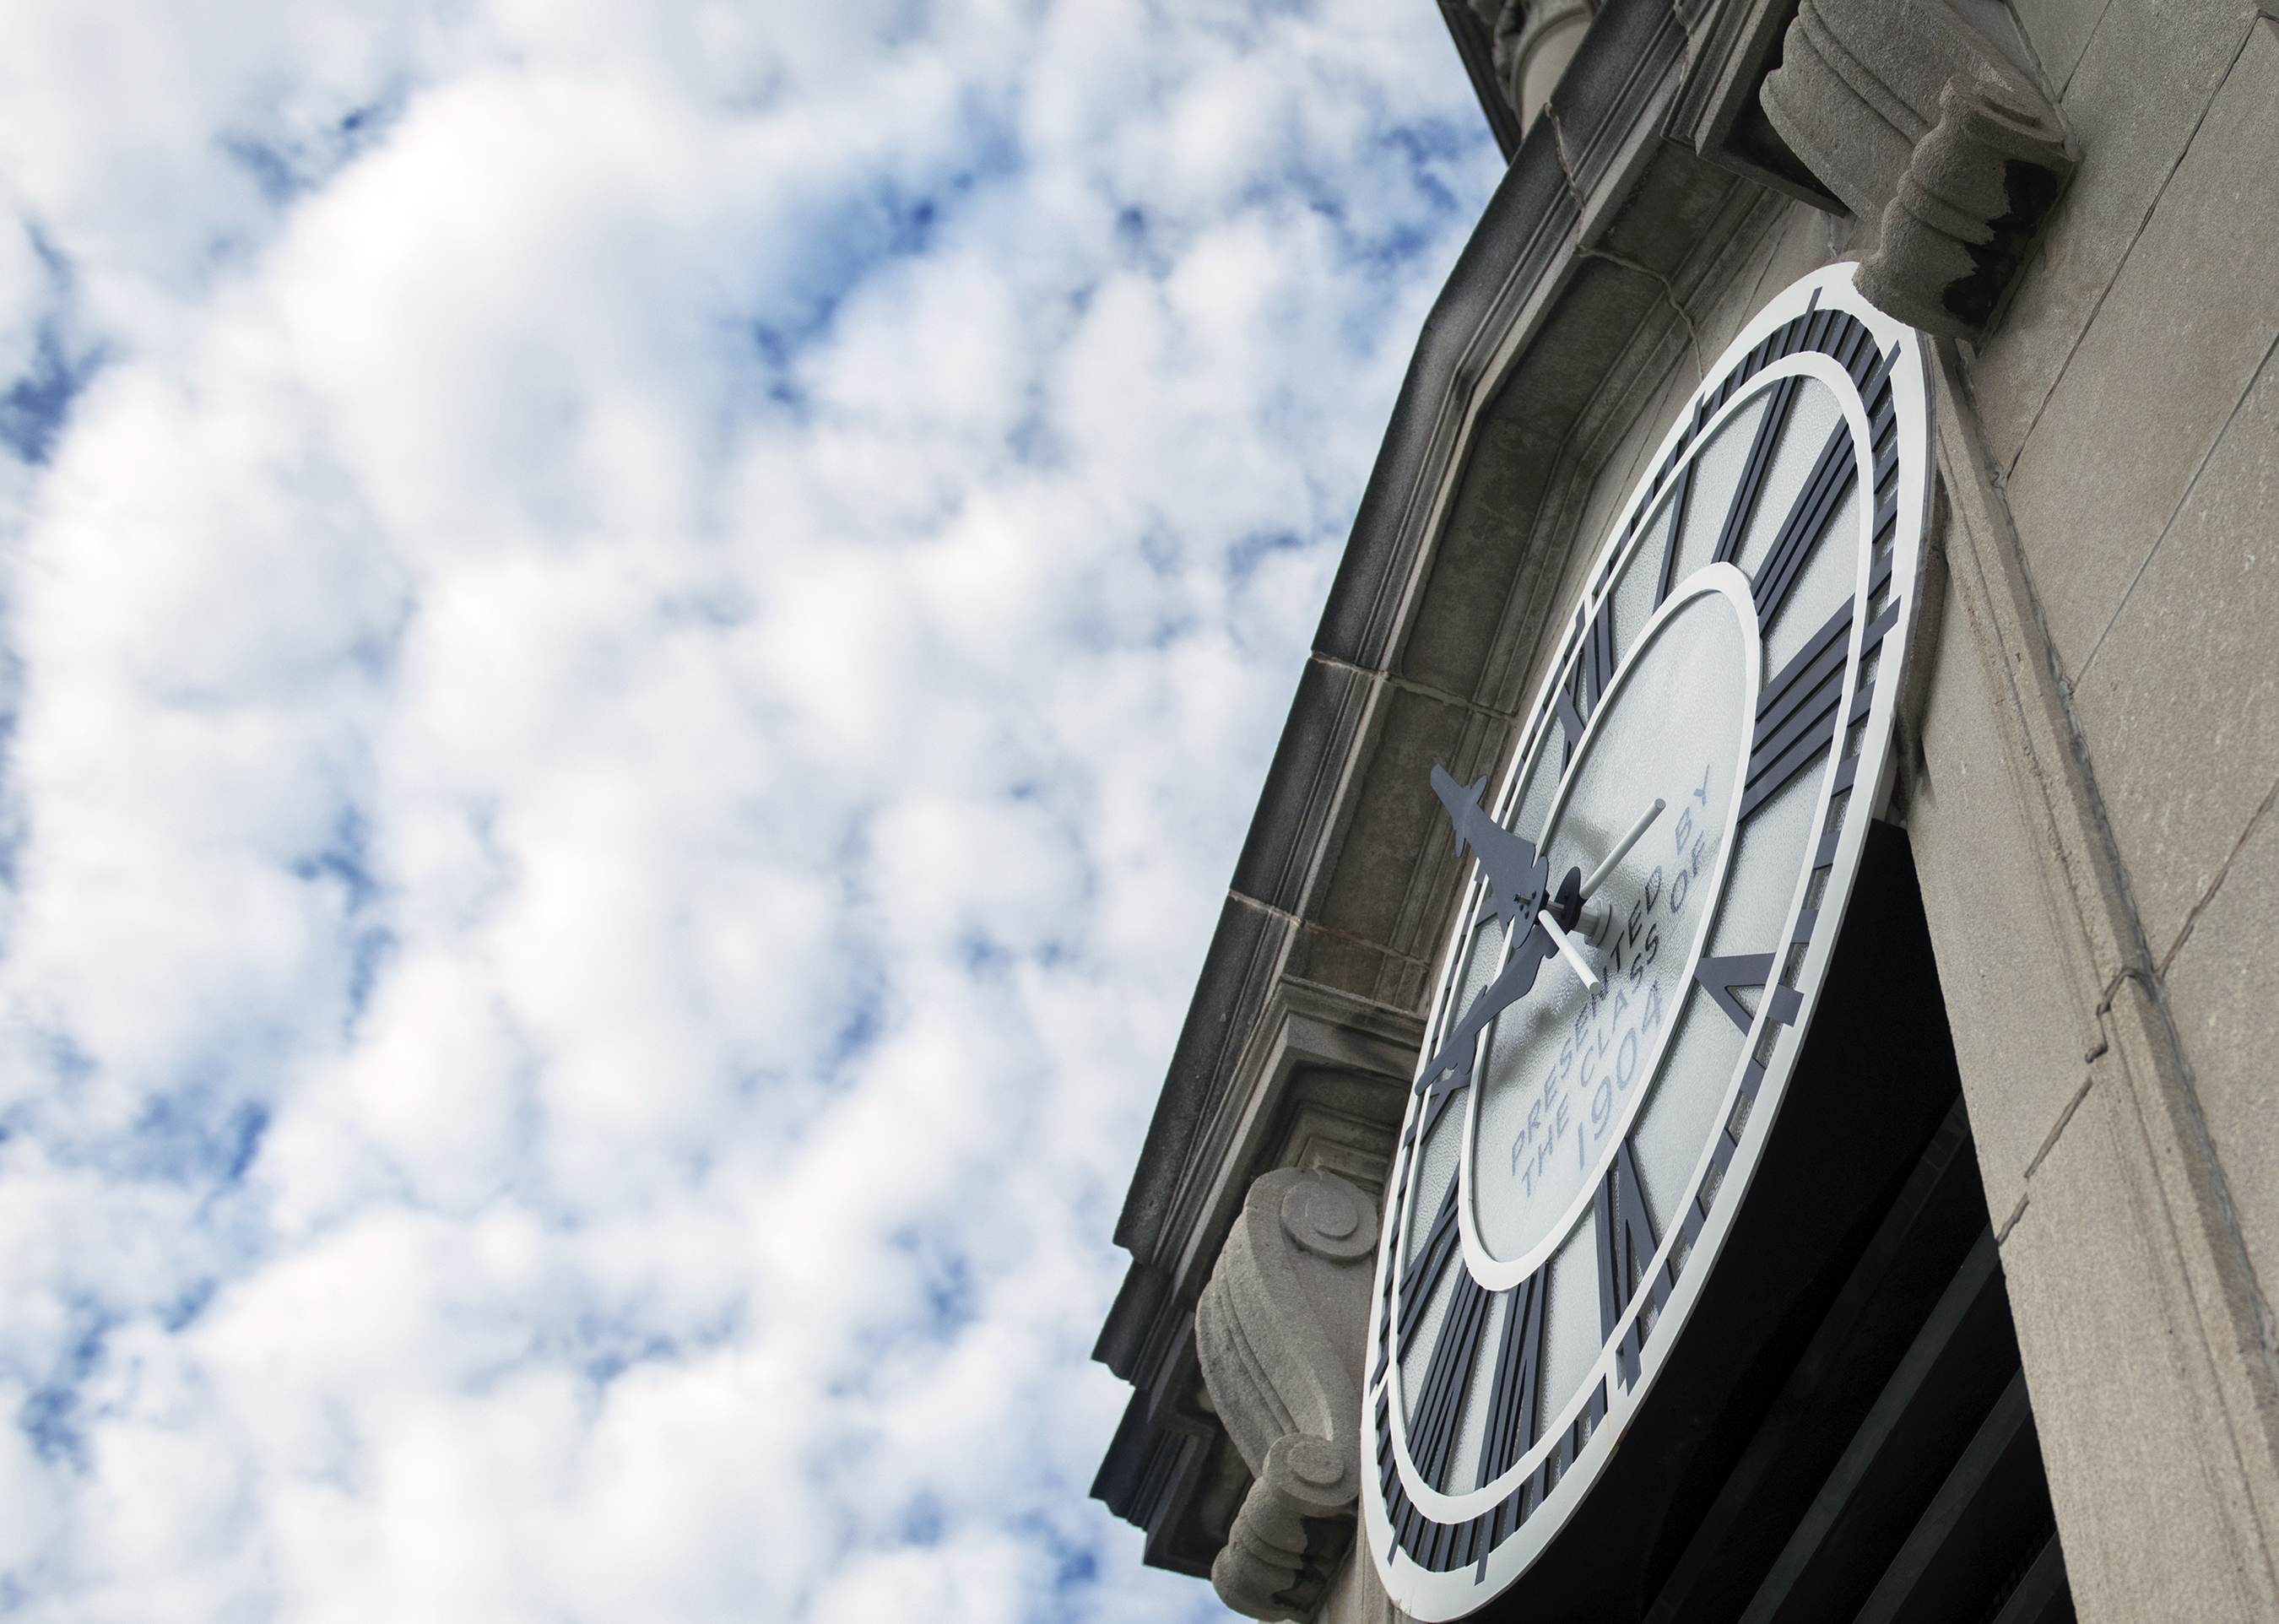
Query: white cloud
{"points": [[641, 640]]}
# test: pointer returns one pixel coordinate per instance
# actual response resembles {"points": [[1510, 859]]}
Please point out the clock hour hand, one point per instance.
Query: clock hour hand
{"points": [[1517, 876], [1451, 1066], [1518, 885]]}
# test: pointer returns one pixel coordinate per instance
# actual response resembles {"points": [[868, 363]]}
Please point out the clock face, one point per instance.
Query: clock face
{"points": [[1656, 893]]}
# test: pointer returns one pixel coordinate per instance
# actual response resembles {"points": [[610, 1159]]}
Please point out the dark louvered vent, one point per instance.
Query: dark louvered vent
{"points": [[1896, 1478]]}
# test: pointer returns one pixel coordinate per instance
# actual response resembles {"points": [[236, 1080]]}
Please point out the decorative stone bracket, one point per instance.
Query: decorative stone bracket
{"points": [[1279, 1332], [1906, 109]]}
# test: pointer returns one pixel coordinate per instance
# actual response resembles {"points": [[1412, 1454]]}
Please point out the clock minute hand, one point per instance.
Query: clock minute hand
{"points": [[1600, 875]]}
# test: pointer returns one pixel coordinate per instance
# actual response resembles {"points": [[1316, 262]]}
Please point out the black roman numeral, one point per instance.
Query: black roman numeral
{"points": [[1384, 1319], [1833, 474], [1678, 505], [1570, 724], [1441, 1242], [1719, 976], [1518, 1376], [1432, 1423], [1753, 470], [1412, 1530], [1595, 673], [1796, 713], [1626, 1245], [1506, 1432], [1435, 1546], [1444, 1222]]}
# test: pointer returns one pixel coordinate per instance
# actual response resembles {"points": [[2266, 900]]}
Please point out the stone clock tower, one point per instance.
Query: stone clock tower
{"points": [[1731, 1081]]}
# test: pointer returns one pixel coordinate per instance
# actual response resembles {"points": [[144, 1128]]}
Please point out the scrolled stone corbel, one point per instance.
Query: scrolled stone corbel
{"points": [[1909, 113], [1279, 1332]]}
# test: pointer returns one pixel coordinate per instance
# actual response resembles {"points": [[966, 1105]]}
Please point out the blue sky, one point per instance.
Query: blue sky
{"points": [[636, 643]]}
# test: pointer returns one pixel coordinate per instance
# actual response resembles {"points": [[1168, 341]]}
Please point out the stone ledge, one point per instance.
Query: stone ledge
{"points": [[2164, 1201]]}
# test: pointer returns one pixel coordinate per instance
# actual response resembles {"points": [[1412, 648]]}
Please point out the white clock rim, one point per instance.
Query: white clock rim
{"points": [[1432, 1596]]}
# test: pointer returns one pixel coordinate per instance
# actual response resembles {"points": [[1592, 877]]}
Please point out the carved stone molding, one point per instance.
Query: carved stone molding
{"points": [[1906, 109], [1279, 1333], [1534, 41]]}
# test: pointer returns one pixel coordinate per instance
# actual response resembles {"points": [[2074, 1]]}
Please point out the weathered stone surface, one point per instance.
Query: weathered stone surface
{"points": [[2182, 702], [2140, 1514], [1805, 240], [2025, 938], [2222, 987], [2059, 31], [2132, 106], [1365, 944], [1315, 1050], [1357, 1596], [1279, 1332], [1731, 46], [2155, 1211], [1619, 465], [1809, 240], [1858, 86], [2020, 1025], [2184, 328]]}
